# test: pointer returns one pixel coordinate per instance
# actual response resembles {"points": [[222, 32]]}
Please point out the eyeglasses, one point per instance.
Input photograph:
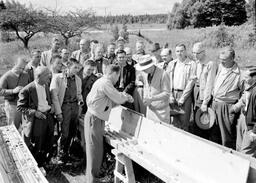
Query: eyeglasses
{"points": [[197, 53]]}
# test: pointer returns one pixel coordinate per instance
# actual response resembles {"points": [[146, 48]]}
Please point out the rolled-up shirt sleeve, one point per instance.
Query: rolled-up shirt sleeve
{"points": [[114, 95]]}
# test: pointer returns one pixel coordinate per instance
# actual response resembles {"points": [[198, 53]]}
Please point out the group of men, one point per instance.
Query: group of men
{"points": [[50, 92]]}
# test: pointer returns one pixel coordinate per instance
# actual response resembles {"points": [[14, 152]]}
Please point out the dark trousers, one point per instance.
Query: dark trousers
{"points": [[226, 125], [94, 131], [182, 121], [42, 135], [69, 124]]}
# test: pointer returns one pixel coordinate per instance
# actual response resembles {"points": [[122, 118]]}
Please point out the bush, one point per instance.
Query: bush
{"points": [[252, 40], [223, 38]]}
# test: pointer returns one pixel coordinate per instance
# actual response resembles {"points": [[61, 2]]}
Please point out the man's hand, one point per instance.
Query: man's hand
{"points": [[52, 109], [147, 101], [232, 109], [203, 108], [172, 102], [59, 117], [17, 89], [180, 104], [130, 98], [40, 115], [99, 75]]}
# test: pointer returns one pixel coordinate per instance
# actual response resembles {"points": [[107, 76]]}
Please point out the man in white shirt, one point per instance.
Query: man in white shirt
{"points": [[102, 97], [37, 111], [182, 73], [205, 75]]}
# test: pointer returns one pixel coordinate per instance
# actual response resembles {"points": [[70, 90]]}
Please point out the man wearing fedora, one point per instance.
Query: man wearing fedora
{"points": [[182, 73], [156, 84], [205, 74], [227, 90]]}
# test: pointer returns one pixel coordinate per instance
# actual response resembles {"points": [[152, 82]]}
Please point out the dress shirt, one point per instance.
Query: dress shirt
{"points": [[43, 105]]}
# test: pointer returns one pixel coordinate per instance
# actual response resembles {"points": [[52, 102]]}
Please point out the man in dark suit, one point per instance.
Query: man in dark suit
{"points": [[88, 79], [37, 111], [126, 82]]}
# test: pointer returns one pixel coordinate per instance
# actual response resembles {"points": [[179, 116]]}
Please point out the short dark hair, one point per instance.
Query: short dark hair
{"points": [[94, 41], [181, 45], [73, 60], [90, 63], [113, 68], [120, 52]]}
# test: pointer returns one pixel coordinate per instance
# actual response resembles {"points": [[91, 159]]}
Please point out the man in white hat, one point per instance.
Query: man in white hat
{"points": [[227, 90], [182, 73], [156, 84], [205, 74]]}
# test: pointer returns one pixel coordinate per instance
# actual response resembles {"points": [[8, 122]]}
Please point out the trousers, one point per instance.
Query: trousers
{"points": [[94, 132]]}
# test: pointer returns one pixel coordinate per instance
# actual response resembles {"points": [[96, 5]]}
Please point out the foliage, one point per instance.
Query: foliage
{"points": [[72, 23], [25, 22], [208, 13], [223, 38]]}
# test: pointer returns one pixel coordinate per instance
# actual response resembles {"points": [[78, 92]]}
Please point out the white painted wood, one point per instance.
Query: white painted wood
{"points": [[174, 155]]}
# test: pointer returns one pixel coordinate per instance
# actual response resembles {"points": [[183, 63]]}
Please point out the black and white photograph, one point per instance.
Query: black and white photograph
{"points": [[136, 91]]}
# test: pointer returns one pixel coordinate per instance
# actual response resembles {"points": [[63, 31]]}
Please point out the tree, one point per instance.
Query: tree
{"points": [[25, 22], [72, 23], [209, 12]]}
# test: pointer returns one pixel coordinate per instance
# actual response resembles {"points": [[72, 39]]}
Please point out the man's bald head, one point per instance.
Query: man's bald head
{"points": [[84, 45], [42, 74], [166, 54]]}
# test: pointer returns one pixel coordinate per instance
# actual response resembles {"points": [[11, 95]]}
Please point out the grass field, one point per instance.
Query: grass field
{"points": [[245, 55]]}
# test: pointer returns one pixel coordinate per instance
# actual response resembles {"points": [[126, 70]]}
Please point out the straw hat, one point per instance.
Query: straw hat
{"points": [[205, 120], [144, 63]]}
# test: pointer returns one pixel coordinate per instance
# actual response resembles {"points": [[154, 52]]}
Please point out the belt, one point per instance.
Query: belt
{"points": [[70, 102], [140, 86], [178, 90], [228, 102]]}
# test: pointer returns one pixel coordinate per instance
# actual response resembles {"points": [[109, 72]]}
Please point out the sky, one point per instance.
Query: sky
{"points": [[107, 7]]}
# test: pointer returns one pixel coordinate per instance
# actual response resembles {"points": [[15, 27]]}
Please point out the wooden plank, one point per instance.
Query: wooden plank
{"points": [[197, 159], [125, 121], [161, 149]]}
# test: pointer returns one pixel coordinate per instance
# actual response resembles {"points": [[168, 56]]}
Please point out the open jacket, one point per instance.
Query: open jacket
{"points": [[58, 88], [28, 104], [190, 78]]}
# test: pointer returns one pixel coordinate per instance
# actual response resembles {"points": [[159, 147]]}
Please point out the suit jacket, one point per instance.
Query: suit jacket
{"points": [[86, 88], [28, 103], [29, 69], [101, 65], [58, 88], [128, 79], [46, 58], [77, 55]]}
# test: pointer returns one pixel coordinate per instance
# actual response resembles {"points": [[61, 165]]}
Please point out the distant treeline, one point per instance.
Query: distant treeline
{"points": [[133, 19]]}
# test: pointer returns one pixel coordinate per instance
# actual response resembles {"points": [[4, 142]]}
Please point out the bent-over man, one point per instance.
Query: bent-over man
{"points": [[10, 85], [156, 84], [100, 100], [36, 106]]}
